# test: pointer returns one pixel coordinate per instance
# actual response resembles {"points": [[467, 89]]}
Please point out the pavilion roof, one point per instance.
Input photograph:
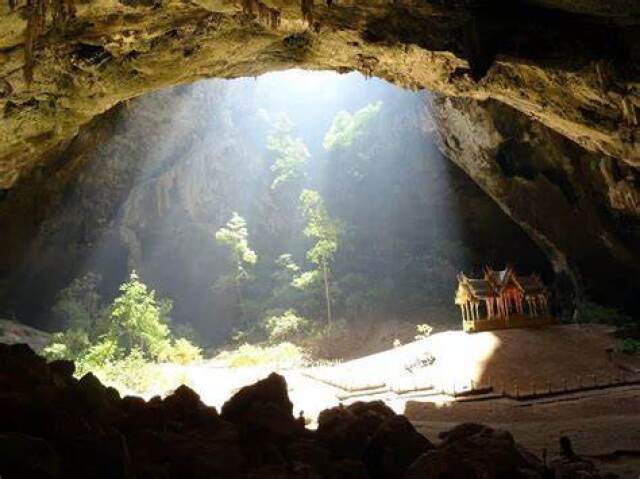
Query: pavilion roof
{"points": [[494, 282]]}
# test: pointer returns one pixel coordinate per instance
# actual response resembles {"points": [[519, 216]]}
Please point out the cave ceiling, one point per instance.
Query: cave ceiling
{"points": [[572, 65]]}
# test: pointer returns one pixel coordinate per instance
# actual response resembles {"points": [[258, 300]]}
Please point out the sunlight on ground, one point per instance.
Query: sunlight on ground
{"points": [[392, 376], [461, 359]]}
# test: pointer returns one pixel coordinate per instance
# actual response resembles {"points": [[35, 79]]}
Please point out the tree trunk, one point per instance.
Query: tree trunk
{"points": [[326, 292], [240, 299]]}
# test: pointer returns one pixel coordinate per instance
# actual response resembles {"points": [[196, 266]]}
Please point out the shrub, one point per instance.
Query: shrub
{"points": [[182, 352], [423, 331], [119, 347], [136, 319], [98, 355], [70, 344], [282, 355], [590, 312], [79, 304], [132, 372], [629, 346], [286, 326]]}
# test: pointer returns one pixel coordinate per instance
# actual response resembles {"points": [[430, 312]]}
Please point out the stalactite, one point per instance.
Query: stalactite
{"points": [[247, 6], [31, 34], [306, 6], [37, 12], [266, 15]]}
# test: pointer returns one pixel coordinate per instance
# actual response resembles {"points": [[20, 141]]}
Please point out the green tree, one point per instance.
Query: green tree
{"points": [[347, 128], [234, 235], [79, 305], [136, 319], [291, 153], [326, 232]]}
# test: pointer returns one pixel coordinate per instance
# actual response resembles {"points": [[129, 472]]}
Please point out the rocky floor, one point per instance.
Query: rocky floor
{"points": [[55, 426]]}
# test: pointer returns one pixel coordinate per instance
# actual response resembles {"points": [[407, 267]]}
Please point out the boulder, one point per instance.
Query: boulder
{"points": [[474, 451], [346, 431], [393, 448], [262, 411]]}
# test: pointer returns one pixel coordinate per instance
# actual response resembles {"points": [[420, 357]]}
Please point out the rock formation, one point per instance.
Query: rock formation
{"points": [[578, 206], [576, 73], [572, 66], [146, 185], [55, 426]]}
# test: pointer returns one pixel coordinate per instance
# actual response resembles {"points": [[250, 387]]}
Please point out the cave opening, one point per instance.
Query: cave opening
{"points": [[259, 277], [297, 216]]}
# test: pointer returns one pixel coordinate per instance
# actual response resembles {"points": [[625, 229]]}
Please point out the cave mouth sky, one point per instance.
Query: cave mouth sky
{"points": [[156, 177]]}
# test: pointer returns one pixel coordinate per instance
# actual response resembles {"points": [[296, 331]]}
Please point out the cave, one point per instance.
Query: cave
{"points": [[232, 231]]}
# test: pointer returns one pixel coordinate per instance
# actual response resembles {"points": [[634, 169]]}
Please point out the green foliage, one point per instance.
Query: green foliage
{"points": [[291, 152], [136, 320], [593, 313], [325, 230], [119, 344], [306, 280], [320, 226], [347, 128], [70, 344], [278, 355], [79, 306], [234, 235], [131, 372], [423, 331], [99, 356], [287, 267], [629, 346], [286, 326], [183, 352]]}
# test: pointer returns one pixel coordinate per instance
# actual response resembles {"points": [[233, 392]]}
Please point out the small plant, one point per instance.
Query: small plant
{"points": [[182, 352], [280, 355], [593, 313], [423, 331], [629, 346], [286, 326], [70, 344]]}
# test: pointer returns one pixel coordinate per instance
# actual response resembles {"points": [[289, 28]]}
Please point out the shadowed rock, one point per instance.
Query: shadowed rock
{"points": [[55, 427]]}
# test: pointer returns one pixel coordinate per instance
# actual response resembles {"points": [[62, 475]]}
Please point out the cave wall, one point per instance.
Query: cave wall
{"points": [[579, 206], [571, 65], [146, 186]]}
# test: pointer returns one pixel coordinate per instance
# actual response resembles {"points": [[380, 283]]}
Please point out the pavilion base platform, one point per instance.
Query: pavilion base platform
{"points": [[513, 321]]}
